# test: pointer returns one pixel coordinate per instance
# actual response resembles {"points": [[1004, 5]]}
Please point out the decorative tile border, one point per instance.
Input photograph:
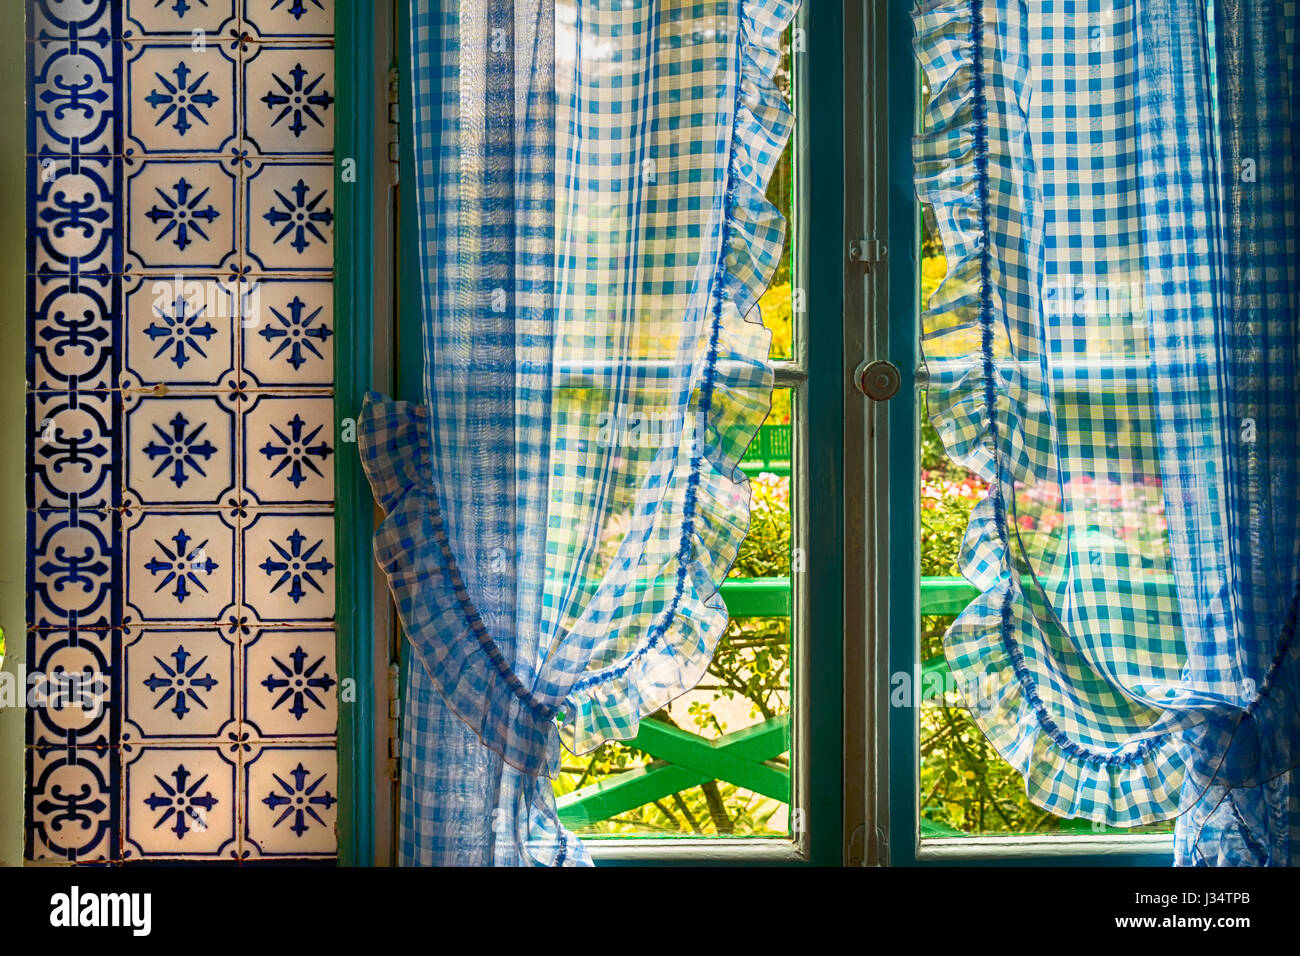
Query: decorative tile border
{"points": [[181, 433]]}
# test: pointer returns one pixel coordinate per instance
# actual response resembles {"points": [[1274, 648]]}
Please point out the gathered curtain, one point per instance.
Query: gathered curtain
{"points": [[1116, 351], [562, 507]]}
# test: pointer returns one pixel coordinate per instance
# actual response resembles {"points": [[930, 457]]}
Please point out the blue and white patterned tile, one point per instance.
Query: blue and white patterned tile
{"points": [[289, 566], [288, 99], [181, 214], [289, 217], [149, 174], [70, 804], [72, 219], [73, 102], [289, 19], [179, 450], [181, 99], [180, 568], [290, 684], [70, 687], [72, 463], [72, 325], [179, 683], [180, 18], [288, 450], [179, 802], [69, 20], [71, 556], [180, 332], [290, 802], [287, 338]]}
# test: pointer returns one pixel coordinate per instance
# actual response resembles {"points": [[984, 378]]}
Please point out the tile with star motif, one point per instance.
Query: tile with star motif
{"points": [[288, 99], [178, 683], [290, 802], [290, 683], [288, 449], [180, 567], [182, 98], [178, 802], [180, 450], [288, 571]]}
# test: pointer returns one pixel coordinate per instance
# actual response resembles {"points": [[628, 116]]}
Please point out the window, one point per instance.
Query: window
{"points": [[721, 762], [814, 763], [954, 796]]}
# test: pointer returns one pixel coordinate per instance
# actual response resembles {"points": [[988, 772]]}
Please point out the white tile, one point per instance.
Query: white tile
{"points": [[181, 215], [71, 555], [71, 686], [180, 17], [179, 803], [72, 450], [180, 567], [72, 102], [289, 217], [291, 683], [289, 449], [179, 450], [73, 220], [289, 566], [69, 790], [290, 19], [288, 99], [179, 683], [291, 802], [288, 333], [70, 334], [182, 99], [179, 331]]}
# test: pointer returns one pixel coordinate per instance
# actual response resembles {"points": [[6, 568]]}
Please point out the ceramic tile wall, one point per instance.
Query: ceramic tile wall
{"points": [[181, 430]]}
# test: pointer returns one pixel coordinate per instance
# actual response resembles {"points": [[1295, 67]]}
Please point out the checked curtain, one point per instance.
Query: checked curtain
{"points": [[563, 505], [1114, 350]]}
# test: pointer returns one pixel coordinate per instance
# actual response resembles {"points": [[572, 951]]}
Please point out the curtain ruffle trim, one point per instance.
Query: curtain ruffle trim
{"points": [[730, 402]]}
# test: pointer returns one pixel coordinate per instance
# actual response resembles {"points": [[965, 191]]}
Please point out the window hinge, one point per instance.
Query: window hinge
{"points": [[394, 709], [394, 125], [867, 250]]}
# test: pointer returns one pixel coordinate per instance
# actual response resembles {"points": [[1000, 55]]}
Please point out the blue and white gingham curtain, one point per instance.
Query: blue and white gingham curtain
{"points": [[1115, 349], [560, 511]]}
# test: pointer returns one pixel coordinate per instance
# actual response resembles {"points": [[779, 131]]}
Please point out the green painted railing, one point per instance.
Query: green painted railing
{"points": [[769, 452], [683, 760]]}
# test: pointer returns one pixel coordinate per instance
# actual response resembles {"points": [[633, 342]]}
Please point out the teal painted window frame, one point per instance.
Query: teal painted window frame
{"points": [[355, 258]]}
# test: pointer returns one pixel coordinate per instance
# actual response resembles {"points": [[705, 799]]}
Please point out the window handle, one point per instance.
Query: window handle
{"points": [[878, 380]]}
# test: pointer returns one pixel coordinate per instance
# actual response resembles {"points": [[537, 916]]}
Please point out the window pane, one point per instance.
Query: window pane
{"points": [[781, 301], [714, 762], [965, 787]]}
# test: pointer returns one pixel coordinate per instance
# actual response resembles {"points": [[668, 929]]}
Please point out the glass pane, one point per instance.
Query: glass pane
{"points": [[965, 787], [715, 762], [782, 302]]}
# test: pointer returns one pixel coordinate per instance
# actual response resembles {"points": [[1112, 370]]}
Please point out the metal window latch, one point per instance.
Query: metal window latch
{"points": [[879, 380], [867, 251]]}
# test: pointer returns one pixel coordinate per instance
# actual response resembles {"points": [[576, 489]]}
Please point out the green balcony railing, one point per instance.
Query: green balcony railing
{"points": [[769, 452], [682, 760]]}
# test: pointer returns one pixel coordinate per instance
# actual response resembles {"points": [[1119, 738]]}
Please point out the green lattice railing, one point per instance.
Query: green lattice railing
{"points": [[744, 758]]}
